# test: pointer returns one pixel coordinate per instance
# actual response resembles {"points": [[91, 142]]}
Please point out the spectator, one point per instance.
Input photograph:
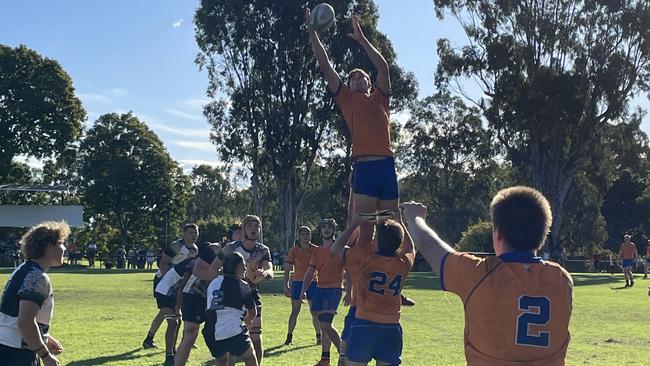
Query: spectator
{"points": [[132, 258], [91, 253], [120, 257], [142, 258], [595, 258], [151, 257], [72, 250]]}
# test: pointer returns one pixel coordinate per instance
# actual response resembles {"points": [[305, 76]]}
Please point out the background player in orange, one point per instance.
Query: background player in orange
{"points": [[379, 271], [517, 306], [628, 255], [365, 108], [298, 259], [326, 297]]}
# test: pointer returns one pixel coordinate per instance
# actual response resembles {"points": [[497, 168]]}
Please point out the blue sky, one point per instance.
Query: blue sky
{"points": [[139, 56]]}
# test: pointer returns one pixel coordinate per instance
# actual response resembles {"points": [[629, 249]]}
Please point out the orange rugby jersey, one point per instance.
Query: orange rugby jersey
{"points": [[328, 267], [378, 281], [627, 251], [368, 251], [368, 118], [517, 307], [299, 258]]}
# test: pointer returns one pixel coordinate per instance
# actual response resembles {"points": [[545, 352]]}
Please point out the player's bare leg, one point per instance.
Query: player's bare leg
{"points": [[256, 338], [173, 323], [190, 333], [365, 204], [316, 324], [342, 350], [293, 319], [155, 324]]}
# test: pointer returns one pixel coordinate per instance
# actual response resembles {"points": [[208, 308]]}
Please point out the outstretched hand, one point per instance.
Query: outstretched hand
{"points": [[307, 12], [412, 210], [357, 33]]}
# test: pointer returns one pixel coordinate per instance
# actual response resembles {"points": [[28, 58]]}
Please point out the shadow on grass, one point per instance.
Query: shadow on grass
{"points": [[619, 288], [584, 279], [282, 349], [130, 355]]}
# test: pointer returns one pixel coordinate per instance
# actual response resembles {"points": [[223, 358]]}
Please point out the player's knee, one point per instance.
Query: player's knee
{"points": [[326, 318], [249, 355], [192, 330]]}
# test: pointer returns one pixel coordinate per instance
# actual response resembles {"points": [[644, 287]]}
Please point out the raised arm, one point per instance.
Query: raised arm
{"points": [[203, 270], [407, 245], [331, 77], [383, 78], [432, 248], [338, 248]]}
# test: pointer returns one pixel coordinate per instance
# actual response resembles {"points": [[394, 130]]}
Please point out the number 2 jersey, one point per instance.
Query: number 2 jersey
{"points": [[517, 307]]}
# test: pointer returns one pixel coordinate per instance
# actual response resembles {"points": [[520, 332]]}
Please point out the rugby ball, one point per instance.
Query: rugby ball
{"points": [[321, 17]]}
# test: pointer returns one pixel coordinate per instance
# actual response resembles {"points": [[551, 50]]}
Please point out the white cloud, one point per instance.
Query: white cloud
{"points": [[187, 132], [196, 145], [177, 23], [96, 97], [120, 91], [195, 103], [178, 113], [190, 163]]}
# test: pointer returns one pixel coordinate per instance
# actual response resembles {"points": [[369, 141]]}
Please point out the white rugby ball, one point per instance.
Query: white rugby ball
{"points": [[321, 17]]}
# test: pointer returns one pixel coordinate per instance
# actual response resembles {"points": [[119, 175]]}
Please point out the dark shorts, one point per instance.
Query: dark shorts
{"points": [[376, 178], [193, 309], [156, 281], [347, 324], [369, 340], [628, 262], [326, 299], [296, 288], [17, 357], [647, 260], [258, 303], [164, 301], [236, 346]]}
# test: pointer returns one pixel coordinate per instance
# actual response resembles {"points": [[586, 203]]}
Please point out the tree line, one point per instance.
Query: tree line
{"points": [[555, 79]]}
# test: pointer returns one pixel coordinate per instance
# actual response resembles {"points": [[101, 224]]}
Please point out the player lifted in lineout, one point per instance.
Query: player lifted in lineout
{"points": [[365, 108]]}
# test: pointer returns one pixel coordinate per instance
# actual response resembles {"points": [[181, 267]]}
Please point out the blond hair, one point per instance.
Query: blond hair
{"points": [[361, 71], [35, 241]]}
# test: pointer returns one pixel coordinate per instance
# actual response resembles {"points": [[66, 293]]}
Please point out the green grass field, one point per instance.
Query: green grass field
{"points": [[102, 318]]}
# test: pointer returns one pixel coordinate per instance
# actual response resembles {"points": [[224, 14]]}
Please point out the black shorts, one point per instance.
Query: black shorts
{"points": [[193, 308], [236, 346], [17, 356], [258, 303], [164, 301], [156, 281]]}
